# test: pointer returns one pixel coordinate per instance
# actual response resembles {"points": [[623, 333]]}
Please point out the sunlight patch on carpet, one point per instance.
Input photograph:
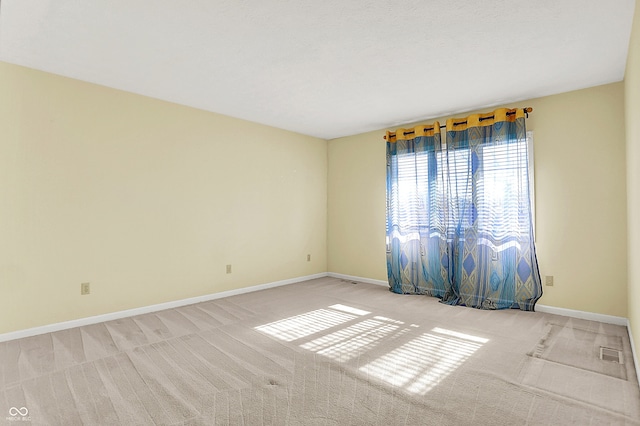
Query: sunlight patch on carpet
{"points": [[420, 364], [299, 326], [349, 309], [350, 342]]}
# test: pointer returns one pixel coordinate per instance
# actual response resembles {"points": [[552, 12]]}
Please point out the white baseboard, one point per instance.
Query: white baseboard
{"points": [[591, 316], [359, 279], [49, 328], [609, 319], [633, 351]]}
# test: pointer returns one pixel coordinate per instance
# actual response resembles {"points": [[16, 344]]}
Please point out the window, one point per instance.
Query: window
{"points": [[424, 177]]}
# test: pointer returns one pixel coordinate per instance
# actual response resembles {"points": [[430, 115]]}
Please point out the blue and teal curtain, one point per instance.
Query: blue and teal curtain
{"points": [[459, 219]]}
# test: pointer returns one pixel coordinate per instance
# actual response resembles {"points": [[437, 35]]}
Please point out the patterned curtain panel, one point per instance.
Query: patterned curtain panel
{"points": [[459, 221], [417, 246]]}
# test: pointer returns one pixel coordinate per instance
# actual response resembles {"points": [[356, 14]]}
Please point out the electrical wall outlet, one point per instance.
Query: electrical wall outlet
{"points": [[548, 280], [308, 258], [228, 269], [85, 288]]}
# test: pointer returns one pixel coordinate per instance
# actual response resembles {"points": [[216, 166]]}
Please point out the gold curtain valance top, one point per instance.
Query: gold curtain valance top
{"points": [[475, 120]]}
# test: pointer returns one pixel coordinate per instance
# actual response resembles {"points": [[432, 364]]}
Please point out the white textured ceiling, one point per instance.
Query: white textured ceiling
{"points": [[326, 68]]}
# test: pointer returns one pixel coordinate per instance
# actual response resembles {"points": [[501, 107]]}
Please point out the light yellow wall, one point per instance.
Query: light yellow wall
{"points": [[580, 200], [145, 199], [356, 206], [632, 112]]}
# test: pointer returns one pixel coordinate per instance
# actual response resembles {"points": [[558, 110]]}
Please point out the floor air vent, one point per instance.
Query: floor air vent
{"points": [[609, 354]]}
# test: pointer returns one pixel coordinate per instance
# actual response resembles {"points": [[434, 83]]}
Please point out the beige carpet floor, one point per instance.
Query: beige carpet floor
{"points": [[323, 352]]}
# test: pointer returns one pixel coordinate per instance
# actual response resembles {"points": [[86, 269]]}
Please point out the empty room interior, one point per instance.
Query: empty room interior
{"points": [[264, 212]]}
